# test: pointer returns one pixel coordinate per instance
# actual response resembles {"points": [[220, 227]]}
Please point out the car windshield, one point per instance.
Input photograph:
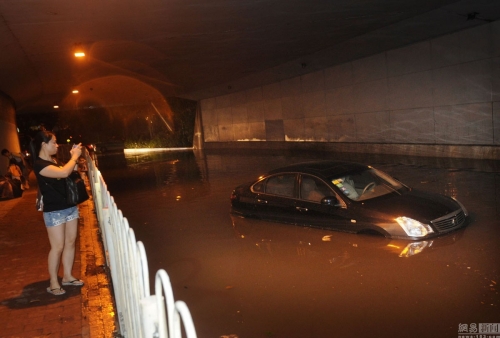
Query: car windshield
{"points": [[367, 184]]}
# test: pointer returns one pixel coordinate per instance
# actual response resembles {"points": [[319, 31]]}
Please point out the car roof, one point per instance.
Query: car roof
{"points": [[322, 168]]}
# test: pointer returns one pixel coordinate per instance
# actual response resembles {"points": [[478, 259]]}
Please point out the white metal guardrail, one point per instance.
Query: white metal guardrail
{"points": [[140, 314]]}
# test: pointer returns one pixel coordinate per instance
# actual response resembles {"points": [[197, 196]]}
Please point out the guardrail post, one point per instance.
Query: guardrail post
{"points": [[149, 312]]}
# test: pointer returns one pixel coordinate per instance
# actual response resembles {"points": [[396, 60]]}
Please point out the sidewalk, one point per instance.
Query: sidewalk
{"points": [[26, 309]]}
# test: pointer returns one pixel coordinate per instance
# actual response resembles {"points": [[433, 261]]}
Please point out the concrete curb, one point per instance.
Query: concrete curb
{"points": [[98, 310]]}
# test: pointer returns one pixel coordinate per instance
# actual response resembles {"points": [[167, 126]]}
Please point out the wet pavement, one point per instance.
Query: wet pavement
{"points": [[250, 278], [26, 309]]}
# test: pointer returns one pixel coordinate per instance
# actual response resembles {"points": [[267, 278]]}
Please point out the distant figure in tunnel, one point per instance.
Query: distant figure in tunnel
{"points": [[16, 175], [61, 219], [20, 162]]}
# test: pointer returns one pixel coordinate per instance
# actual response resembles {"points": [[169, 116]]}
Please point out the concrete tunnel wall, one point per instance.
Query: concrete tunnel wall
{"points": [[440, 97], [8, 130]]}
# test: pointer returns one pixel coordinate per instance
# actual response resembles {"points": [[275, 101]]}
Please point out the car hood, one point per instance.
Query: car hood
{"points": [[419, 205]]}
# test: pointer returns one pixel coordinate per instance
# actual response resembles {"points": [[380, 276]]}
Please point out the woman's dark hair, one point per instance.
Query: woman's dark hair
{"points": [[12, 161], [36, 143]]}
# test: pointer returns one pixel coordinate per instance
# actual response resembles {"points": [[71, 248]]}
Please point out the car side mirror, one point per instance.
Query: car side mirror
{"points": [[331, 200]]}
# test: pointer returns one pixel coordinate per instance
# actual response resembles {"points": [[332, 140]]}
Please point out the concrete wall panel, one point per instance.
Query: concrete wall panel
{"points": [[257, 131], [316, 129], [211, 133], [254, 94], [290, 87], [275, 130], [209, 117], [340, 101], [224, 115], [464, 83], [226, 133], [496, 123], [223, 101], [271, 91], [449, 86], [241, 132], [495, 37], [273, 109], [338, 76], [373, 127], [370, 96], [445, 51], [208, 104], [412, 125], [495, 79], [239, 113], [476, 44], [256, 112], [370, 68], [294, 130], [464, 124], [238, 98], [477, 77], [313, 104], [341, 128], [410, 91], [313, 82], [292, 107], [411, 59]]}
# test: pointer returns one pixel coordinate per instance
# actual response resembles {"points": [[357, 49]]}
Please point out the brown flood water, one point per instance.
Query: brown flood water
{"points": [[252, 279]]}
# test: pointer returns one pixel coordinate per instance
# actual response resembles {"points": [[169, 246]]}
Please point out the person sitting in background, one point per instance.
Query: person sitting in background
{"points": [[16, 173], [20, 163]]}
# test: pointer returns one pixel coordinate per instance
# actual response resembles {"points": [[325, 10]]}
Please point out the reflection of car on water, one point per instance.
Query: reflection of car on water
{"points": [[305, 241], [347, 197]]}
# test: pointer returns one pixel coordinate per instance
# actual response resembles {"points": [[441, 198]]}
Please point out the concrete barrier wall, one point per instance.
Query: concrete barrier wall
{"points": [[444, 91], [8, 130]]}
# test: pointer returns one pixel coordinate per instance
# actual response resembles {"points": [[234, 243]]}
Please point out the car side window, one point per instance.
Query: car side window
{"points": [[313, 189], [282, 185], [259, 186]]}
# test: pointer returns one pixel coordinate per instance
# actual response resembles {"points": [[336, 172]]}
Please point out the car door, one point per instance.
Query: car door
{"points": [[311, 212], [277, 197]]}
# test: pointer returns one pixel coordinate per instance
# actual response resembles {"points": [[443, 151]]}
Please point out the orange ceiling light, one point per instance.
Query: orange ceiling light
{"points": [[79, 54]]}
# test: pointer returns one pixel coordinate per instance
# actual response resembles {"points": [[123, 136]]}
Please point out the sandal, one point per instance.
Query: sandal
{"points": [[74, 282], [56, 291]]}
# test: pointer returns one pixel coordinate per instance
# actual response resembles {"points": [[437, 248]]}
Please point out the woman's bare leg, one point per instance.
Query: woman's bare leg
{"points": [[68, 254], [56, 239]]}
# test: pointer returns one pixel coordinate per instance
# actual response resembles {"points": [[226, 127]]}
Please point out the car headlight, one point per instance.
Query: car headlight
{"points": [[414, 228]]}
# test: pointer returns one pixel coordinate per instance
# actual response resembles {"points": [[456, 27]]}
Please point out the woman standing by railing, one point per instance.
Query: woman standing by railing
{"points": [[61, 219]]}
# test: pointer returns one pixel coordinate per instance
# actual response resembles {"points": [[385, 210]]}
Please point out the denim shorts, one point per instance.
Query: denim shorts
{"points": [[53, 218]]}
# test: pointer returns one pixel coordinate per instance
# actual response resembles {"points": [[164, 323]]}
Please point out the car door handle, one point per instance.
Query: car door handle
{"points": [[261, 201], [301, 209]]}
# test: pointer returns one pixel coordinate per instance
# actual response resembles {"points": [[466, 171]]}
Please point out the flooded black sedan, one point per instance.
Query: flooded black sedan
{"points": [[349, 197]]}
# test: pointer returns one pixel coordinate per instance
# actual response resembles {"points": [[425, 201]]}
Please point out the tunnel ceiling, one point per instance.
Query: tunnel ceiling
{"points": [[201, 48]]}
